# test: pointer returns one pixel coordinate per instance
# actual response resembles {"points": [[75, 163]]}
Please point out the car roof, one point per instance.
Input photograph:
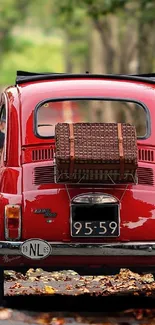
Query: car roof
{"points": [[36, 88]]}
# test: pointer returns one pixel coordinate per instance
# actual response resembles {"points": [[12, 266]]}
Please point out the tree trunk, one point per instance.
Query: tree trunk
{"points": [[146, 39], [146, 47], [104, 28], [67, 56]]}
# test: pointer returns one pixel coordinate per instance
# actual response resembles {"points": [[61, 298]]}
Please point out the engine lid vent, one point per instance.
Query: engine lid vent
{"points": [[146, 155], [145, 176], [35, 154], [43, 175], [42, 154]]}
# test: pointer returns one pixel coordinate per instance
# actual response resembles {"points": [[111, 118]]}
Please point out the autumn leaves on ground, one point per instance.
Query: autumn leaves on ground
{"points": [[39, 282], [69, 283]]}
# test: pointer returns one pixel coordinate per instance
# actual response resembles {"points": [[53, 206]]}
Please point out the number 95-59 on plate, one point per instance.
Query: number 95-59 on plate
{"points": [[95, 228]]}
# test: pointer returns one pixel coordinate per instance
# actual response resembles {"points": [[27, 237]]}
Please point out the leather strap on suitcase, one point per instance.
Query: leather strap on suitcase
{"points": [[71, 139], [121, 151]]}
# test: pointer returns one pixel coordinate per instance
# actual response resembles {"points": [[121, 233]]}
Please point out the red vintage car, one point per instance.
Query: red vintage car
{"points": [[40, 223]]}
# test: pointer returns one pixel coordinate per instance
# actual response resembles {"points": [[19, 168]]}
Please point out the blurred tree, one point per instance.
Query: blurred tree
{"points": [[125, 27], [91, 13], [12, 12], [123, 38], [107, 36], [54, 16], [146, 36]]}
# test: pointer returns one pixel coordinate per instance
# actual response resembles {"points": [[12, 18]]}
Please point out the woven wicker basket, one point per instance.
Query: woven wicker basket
{"points": [[96, 153]]}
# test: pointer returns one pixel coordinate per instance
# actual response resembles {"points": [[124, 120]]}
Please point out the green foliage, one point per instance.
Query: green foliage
{"points": [[93, 8], [12, 12], [146, 10], [44, 35], [45, 55]]}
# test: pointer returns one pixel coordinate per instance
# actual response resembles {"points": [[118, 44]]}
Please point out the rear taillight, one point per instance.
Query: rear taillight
{"points": [[12, 222]]}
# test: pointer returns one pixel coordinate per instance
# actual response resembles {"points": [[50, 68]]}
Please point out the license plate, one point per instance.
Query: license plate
{"points": [[95, 228], [35, 249]]}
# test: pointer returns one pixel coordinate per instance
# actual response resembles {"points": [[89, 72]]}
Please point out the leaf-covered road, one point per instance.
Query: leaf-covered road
{"points": [[134, 317], [38, 284]]}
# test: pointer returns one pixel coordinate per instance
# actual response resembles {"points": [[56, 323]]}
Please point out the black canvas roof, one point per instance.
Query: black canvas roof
{"points": [[23, 76]]}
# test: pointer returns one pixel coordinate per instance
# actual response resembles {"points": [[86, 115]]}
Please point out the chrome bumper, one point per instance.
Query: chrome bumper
{"points": [[67, 249]]}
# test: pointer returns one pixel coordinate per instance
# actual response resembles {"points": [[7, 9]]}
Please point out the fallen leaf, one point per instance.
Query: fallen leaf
{"points": [[69, 287], [44, 318], [57, 321], [85, 290], [49, 290], [5, 313], [16, 286]]}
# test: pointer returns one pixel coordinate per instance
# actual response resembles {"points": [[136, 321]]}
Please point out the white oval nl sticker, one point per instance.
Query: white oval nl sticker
{"points": [[35, 249]]}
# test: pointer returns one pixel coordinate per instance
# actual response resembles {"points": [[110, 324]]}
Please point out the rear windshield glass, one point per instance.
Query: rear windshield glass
{"points": [[99, 111]]}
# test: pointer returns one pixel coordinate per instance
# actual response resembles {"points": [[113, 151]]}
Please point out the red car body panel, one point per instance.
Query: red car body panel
{"points": [[137, 201]]}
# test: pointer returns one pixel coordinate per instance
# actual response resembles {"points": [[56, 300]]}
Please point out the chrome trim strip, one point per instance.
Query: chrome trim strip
{"points": [[93, 195], [83, 249]]}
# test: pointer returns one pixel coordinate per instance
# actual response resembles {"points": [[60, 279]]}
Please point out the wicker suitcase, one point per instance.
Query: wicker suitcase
{"points": [[95, 153]]}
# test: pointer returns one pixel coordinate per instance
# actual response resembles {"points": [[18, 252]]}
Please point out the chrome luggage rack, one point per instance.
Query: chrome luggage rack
{"points": [[109, 181], [123, 185]]}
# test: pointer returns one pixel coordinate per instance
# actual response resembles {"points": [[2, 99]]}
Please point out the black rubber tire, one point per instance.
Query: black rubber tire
{"points": [[1, 286]]}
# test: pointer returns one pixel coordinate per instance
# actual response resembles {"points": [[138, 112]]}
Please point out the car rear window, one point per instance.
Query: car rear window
{"points": [[48, 114]]}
